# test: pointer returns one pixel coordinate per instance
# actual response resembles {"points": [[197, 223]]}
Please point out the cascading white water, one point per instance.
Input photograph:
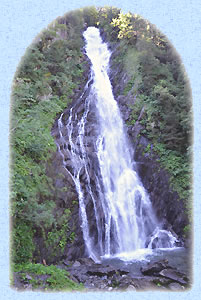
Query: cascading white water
{"points": [[124, 218]]}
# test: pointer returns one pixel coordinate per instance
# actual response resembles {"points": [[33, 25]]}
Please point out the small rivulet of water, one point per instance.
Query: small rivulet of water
{"points": [[124, 220]]}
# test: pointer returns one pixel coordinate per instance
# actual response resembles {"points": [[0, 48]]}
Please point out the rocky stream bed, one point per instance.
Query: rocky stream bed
{"points": [[160, 270]]}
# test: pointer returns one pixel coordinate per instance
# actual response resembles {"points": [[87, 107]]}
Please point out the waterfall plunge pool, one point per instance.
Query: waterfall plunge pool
{"points": [[178, 257]]}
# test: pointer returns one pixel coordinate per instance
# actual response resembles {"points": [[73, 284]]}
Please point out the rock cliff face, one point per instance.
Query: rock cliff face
{"points": [[155, 179], [66, 195], [169, 209]]}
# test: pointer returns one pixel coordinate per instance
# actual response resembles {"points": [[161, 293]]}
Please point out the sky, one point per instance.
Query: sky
{"points": [[21, 21]]}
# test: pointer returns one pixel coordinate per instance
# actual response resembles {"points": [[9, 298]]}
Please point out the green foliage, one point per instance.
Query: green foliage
{"points": [[59, 235], [133, 28], [137, 108], [32, 143], [90, 15], [43, 86], [105, 16], [131, 65], [148, 148], [131, 61], [166, 116], [123, 22], [187, 230], [162, 105], [57, 279], [178, 166], [22, 246]]}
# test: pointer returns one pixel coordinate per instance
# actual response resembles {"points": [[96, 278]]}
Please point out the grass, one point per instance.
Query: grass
{"points": [[56, 279]]}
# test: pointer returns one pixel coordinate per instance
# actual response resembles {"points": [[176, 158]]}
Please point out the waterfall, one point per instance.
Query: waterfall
{"points": [[97, 155]]}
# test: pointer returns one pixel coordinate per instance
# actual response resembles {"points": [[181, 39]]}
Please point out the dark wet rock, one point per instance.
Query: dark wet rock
{"points": [[142, 283], [76, 264], [174, 275], [161, 281], [67, 263], [155, 268], [78, 273], [164, 274], [86, 261], [17, 282], [174, 286], [131, 288], [42, 277], [28, 277], [156, 180], [95, 270], [28, 286], [98, 277], [22, 282], [105, 271], [161, 238]]}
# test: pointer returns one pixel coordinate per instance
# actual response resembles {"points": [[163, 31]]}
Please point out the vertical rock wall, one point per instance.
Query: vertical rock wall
{"points": [[169, 209]]}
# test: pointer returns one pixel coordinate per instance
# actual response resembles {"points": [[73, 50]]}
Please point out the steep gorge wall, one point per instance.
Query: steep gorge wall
{"points": [[63, 165], [169, 208], [66, 196]]}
